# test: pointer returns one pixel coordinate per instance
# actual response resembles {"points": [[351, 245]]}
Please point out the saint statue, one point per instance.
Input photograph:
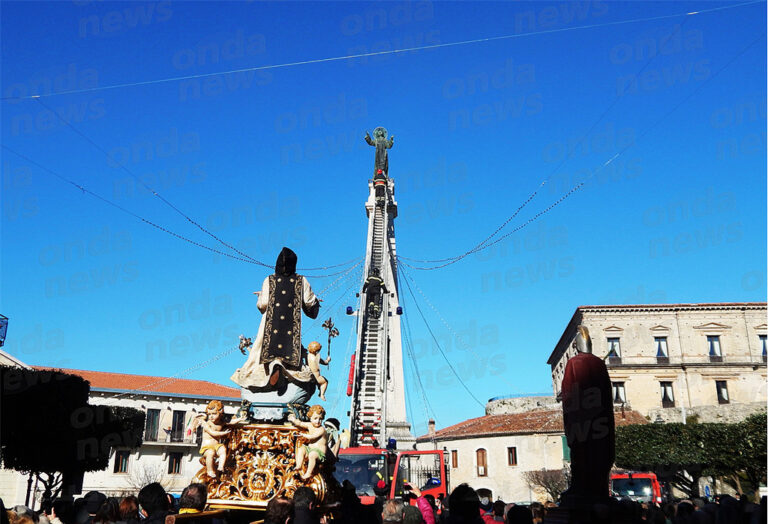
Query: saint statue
{"points": [[589, 423], [381, 143], [277, 356]]}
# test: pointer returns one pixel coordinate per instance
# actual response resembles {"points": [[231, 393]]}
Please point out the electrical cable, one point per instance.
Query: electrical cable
{"points": [[408, 338], [123, 209], [147, 187], [434, 338], [380, 53], [569, 154], [453, 332], [162, 198], [601, 167]]}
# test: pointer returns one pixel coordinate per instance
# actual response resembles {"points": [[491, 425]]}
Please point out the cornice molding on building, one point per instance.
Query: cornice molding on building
{"points": [[735, 306], [685, 365], [168, 396], [565, 338]]}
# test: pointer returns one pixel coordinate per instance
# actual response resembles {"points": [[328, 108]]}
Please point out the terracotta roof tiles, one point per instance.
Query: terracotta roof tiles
{"points": [[165, 385], [519, 424]]}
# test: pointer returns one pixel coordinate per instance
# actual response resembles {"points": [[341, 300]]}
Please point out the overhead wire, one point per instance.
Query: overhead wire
{"points": [[378, 53], [482, 245], [453, 332], [125, 210], [408, 339], [440, 349], [149, 188], [605, 164]]}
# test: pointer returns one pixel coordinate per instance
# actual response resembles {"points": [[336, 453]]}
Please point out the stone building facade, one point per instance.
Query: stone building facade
{"points": [[494, 451], [670, 361], [169, 453]]}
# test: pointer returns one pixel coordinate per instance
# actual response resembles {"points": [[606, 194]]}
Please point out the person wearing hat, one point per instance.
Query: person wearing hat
{"points": [[92, 501]]}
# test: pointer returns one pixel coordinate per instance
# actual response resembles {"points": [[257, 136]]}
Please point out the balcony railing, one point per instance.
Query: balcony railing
{"points": [[171, 438], [634, 360]]}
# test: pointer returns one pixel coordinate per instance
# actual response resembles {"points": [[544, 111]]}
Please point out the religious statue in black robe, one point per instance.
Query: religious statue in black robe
{"points": [[283, 296], [381, 143]]}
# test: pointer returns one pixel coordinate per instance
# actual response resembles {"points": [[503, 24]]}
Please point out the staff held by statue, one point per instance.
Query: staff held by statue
{"points": [[332, 333]]}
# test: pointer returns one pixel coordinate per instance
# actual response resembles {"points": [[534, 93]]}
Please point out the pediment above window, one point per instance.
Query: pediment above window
{"points": [[712, 326]]}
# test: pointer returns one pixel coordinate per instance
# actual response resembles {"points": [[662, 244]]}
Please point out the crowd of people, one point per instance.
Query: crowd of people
{"points": [[464, 505], [151, 506]]}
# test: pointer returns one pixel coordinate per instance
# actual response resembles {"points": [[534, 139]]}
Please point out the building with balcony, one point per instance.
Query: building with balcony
{"points": [[169, 453], [670, 361]]}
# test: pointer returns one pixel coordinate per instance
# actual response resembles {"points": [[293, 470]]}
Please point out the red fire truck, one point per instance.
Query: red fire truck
{"points": [[379, 471], [638, 486]]}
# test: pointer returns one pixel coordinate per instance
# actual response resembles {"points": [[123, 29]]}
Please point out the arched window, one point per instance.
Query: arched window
{"points": [[482, 463]]}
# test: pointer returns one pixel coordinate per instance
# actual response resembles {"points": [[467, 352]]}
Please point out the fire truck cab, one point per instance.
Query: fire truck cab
{"points": [[384, 472], [638, 486]]}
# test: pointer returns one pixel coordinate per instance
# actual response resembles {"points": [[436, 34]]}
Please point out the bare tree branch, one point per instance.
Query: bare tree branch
{"points": [[553, 481]]}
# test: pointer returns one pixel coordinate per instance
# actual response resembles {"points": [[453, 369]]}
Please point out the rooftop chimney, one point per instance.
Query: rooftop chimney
{"points": [[431, 426]]}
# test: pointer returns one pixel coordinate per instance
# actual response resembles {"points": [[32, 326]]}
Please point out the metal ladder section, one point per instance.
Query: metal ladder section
{"points": [[369, 406]]}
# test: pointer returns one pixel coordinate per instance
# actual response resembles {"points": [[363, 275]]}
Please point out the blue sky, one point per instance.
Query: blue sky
{"points": [[276, 157]]}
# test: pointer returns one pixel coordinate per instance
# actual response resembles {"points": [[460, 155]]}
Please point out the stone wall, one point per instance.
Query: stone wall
{"points": [[511, 405], [728, 413]]}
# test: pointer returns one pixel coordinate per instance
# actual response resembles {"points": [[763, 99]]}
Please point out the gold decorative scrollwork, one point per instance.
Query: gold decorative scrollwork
{"points": [[260, 466]]}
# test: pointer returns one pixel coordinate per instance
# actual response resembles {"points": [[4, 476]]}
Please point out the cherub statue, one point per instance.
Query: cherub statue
{"points": [[316, 438], [212, 448], [381, 143], [313, 361]]}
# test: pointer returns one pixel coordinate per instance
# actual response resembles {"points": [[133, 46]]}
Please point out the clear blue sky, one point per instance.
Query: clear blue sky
{"points": [[276, 157]]}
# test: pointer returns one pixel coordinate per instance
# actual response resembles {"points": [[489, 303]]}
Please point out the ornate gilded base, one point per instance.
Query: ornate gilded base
{"points": [[260, 466]]}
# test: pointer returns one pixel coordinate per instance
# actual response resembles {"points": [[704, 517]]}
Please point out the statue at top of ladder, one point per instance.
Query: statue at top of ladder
{"points": [[381, 143], [276, 370]]}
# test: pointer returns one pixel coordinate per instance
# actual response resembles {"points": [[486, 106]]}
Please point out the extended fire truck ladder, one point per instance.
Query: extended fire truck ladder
{"points": [[378, 402]]}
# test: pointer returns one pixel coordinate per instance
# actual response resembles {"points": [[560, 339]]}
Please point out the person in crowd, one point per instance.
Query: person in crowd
{"points": [[78, 509], [24, 518], [393, 512], [304, 506], [279, 511], [537, 512], [411, 514], [464, 506], [684, 512], [129, 510], [193, 499], [519, 515], [59, 512], [496, 514], [108, 513], [433, 506], [728, 510], [23, 511], [486, 503], [153, 504]]}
